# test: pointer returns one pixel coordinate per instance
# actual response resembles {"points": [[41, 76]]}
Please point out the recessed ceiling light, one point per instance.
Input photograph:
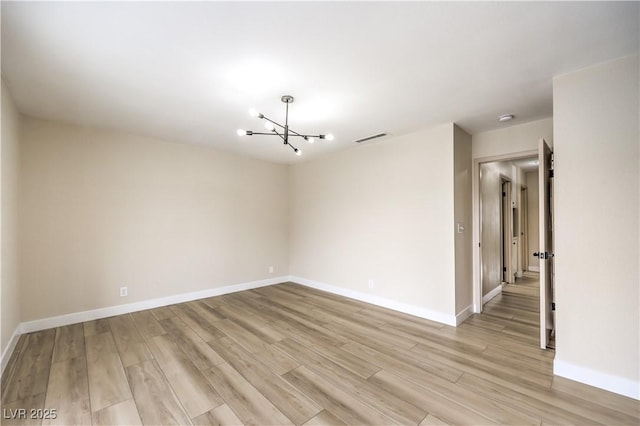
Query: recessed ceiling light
{"points": [[505, 117]]}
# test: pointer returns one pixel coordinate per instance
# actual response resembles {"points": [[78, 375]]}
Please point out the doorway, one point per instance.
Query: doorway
{"points": [[514, 235]]}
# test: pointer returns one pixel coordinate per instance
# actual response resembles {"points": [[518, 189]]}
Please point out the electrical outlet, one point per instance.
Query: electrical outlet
{"points": [[271, 269], [123, 291], [371, 284]]}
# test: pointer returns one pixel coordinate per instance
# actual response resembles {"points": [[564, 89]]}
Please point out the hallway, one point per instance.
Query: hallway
{"points": [[518, 308], [513, 318]]}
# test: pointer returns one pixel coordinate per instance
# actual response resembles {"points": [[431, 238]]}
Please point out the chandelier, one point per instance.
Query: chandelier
{"points": [[283, 131]]}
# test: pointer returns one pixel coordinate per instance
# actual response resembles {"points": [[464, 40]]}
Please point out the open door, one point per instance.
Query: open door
{"points": [[545, 180]]}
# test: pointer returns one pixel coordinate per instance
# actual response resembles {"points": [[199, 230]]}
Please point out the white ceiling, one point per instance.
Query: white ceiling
{"points": [[189, 71], [529, 164]]}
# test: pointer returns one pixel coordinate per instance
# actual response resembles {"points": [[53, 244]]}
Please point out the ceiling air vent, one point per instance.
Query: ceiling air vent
{"points": [[368, 138]]}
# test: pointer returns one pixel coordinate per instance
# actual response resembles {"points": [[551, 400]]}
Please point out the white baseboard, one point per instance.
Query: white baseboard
{"points": [[76, 317], [6, 354], [379, 301], [464, 314], [616, 384], [534, 268], [493, 293]]}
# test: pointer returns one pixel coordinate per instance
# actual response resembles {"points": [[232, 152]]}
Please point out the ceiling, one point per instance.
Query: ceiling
{"points": [[189, 71], [528, 164]]}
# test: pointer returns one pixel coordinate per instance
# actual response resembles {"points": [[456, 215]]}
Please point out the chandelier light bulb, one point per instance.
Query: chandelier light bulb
{"points": [[269, 126], [298, 152], [253, 112], [311, 139], [241, 132], [329, 136]]}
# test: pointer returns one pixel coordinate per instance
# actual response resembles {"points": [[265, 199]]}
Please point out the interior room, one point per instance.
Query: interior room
{"points": [[320, 213]]}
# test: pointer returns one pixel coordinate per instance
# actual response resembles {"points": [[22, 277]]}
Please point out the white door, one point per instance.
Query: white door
{"points": [[545, 181]]}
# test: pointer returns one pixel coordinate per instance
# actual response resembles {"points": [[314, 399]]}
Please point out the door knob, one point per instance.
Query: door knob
{"points": [[544, 256]]}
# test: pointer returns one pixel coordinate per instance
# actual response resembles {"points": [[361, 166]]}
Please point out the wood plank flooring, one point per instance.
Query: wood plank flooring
{"points": [[288, 354]]}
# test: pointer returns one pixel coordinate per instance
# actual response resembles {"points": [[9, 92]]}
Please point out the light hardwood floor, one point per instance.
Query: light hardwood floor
{"points": [[288, 354]]}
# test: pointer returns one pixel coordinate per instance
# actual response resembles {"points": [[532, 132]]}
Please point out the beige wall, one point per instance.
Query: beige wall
{"points": [[462, 216], [596, 128], [9, 290], [491, 206], [103, 210], [382, 211], [513, 139], [533, 234]]}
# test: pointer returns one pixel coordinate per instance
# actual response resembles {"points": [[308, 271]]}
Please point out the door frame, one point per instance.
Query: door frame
{"points": [[477, 237]]}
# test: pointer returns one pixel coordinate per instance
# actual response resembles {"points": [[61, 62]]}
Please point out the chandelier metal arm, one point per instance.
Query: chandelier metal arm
{"points": [[283, 137], [293, 148], [264, 117], [290, 131], [304, 136]]}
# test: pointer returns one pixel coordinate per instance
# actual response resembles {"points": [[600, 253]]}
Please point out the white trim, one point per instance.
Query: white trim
{"points": [[534, 268], [493, 293], [379, 301], [464, 314], [8, 351], [77, 317], [616, 384]]}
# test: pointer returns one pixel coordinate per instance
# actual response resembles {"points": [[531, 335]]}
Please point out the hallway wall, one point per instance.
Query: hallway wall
{"points": [[491, 205], [490, 227]]}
